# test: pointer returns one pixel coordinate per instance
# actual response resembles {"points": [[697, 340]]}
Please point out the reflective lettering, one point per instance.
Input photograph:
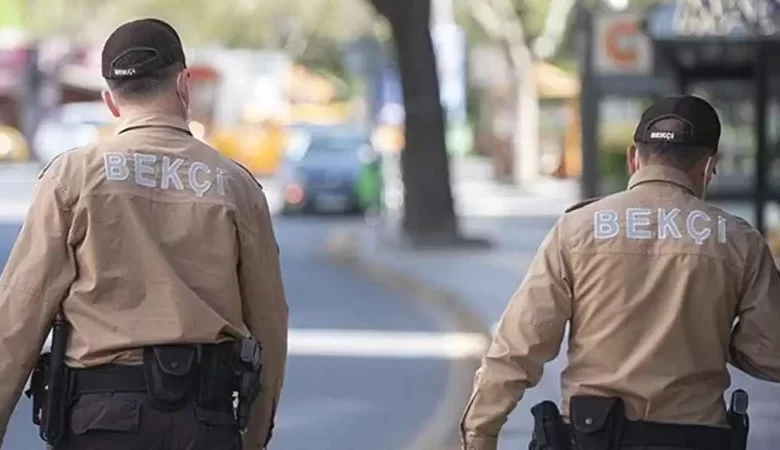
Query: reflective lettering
{"points": [[197, 187], [635, 218], [667, 225], [666, 135], [639, 225], [170, 173], [699, 236], [721, 229], [605, 224], [144, 165], [221, 181], [166, 172], [115, 167]]}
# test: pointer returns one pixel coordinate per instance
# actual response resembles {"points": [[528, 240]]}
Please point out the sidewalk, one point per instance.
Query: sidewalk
{"points": [[480, 280], [477, 195]]}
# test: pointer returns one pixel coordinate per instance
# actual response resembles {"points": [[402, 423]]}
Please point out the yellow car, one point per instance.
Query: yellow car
{"points": [[259, 147], [13, 145]]}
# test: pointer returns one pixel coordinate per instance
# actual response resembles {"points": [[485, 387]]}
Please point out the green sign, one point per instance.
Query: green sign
{"points": [[12, 13]]}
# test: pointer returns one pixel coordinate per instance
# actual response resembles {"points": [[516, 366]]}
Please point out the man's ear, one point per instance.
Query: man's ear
{"points": [[110, 102], [632, 159], [709, 168], [183, 84], [715, 160]]}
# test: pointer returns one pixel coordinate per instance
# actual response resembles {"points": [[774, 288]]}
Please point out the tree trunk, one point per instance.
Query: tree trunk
{"points": [[526, 136], [501, 22], [428, 202], [526, 142]]}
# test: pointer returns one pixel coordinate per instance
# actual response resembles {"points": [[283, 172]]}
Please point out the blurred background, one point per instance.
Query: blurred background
{"points": [[415, 153]]}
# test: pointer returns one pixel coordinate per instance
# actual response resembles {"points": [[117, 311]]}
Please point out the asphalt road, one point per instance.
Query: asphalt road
{"points": [[356, 376]]}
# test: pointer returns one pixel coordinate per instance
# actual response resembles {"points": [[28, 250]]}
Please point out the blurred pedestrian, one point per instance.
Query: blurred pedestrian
{"points": [[154, 256], [650, 282]]}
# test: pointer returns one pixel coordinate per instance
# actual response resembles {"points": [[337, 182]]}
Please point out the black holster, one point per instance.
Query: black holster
{"points": [[50, 387], [597, 422], [249, 369], [738, 419], [550, 431]]}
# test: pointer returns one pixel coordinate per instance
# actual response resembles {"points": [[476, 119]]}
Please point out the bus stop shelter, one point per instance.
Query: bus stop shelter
{"points": [[675, 51]]}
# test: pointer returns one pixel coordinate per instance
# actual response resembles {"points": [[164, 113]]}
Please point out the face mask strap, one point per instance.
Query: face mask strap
{"points": [[707, 177], [184, 104]]}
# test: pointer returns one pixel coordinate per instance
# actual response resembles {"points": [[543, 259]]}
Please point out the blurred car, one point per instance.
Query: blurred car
{"points": [[257, 145], [72, 125], [13, 145], [331, 169]]}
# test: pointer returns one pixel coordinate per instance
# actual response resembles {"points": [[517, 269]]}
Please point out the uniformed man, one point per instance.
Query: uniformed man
{"points": [[147, 239], [650, 282]]}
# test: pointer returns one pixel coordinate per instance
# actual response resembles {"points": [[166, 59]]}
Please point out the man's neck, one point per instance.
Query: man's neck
{"points": [[129, 112], [154, 108]]}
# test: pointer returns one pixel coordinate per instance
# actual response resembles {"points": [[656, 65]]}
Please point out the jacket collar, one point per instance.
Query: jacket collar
{"points": [[153, 120], [663, 174]]}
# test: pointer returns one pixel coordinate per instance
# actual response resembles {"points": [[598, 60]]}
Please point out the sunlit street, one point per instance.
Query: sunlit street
{"points": [[414, 155]]}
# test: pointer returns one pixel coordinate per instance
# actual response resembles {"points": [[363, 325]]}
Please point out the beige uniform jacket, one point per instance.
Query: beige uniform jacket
{"points": [[650, 281], [149, 237]]}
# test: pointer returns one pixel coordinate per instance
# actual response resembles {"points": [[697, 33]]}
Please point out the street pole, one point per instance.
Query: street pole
{"points": [[589, 103]]}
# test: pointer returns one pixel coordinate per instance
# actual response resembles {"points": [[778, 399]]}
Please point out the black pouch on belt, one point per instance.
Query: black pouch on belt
{"points": [[597, 422], [171, 375], [218, 376]]}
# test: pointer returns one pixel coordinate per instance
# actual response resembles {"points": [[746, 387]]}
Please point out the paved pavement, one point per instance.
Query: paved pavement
{"points": [[369, 367], [485, 279], [476, 195]]}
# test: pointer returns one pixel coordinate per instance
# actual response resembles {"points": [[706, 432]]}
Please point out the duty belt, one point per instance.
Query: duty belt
{"points": [[108, 379], [111, 378], [640, 432]]}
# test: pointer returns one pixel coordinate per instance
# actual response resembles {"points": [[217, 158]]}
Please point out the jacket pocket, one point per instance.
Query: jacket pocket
{"points": [[106, 412]]}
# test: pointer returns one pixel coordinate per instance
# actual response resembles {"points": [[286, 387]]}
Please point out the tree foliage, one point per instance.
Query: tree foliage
{"points": [[234, 23], [533, 14]]}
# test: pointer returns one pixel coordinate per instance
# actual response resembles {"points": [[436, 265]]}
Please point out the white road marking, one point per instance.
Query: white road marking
{"points": [[386, 344], [379, 344], [13, 211]]}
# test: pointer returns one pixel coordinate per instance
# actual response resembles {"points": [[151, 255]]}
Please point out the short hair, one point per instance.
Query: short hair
{"points": [[147, 86], [679, 156]]}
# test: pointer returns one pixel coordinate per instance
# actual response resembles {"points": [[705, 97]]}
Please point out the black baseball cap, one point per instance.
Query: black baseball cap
{"points": [[683, 119], [139, 48]]}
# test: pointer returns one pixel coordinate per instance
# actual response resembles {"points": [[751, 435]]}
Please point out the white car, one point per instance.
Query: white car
{"points": [[68, 126]]}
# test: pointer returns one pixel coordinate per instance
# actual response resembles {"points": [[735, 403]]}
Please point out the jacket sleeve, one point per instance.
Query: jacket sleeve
{"points": [[755, 340], [265, 313], [37, 276], [529, 335]]}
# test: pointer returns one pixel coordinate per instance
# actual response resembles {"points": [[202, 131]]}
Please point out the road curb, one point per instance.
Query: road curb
{"points": [[441, 431]]}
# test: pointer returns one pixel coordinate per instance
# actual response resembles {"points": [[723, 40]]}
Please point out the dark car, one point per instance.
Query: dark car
{"points": [[331, 169]]}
